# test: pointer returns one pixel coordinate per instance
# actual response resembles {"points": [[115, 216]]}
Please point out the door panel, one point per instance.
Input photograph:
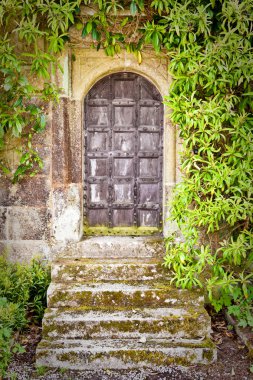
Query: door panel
{"points": [[123, 155]]}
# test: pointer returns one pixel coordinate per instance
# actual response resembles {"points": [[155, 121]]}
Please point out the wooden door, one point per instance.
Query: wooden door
{"points": [[123, 156]]}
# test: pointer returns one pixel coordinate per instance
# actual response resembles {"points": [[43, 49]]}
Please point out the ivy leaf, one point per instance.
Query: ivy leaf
{"points": [[84, 31], [155, 41], [133, 8], [43, 121], [89, 27], [125, 21]]}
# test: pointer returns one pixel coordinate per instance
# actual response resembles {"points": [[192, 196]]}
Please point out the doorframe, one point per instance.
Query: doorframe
{"points": [[89, 67]]}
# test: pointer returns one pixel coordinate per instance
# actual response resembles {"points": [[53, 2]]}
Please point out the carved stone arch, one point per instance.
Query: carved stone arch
{"points": [[84, 77]]}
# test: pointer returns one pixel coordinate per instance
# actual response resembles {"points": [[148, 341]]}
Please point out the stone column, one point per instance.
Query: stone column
{"points": [[67, 171]]}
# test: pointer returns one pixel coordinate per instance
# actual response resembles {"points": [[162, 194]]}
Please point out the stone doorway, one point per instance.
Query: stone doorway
{"points": [[123, 132]]}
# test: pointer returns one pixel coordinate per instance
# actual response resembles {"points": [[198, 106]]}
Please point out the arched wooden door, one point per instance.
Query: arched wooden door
{"points": [[123, 156]]}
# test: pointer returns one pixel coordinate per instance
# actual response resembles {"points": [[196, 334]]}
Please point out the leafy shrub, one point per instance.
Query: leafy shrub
{"points": [[211, 99], [22, 301], [12, 315]]}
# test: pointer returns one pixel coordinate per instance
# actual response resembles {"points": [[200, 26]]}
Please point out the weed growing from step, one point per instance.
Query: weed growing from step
{"points": [[22, 301]]}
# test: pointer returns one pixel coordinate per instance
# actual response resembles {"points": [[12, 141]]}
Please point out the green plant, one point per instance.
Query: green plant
{"points": [[211, 102], [7, 347], [22, 301], [22, 104], [41, 370], [12, 315]]}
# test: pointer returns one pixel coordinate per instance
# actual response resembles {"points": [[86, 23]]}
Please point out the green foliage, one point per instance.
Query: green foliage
{"points": [[22, 301], [211, 99], [26, 28], [41, 370]]}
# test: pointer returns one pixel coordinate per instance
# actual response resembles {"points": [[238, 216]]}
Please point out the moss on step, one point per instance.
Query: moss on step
{"points": [[184, 327], [120, 231], [73, 271], [157, 294], [139, 357]]}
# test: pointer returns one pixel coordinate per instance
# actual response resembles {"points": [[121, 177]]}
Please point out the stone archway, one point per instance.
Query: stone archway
{"points": [[81, 74]]}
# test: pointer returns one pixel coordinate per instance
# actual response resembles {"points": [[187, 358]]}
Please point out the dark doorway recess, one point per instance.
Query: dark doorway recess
{"points": [[123, 132]]}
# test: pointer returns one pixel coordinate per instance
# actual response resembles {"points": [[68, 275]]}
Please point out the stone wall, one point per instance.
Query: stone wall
{"points": [[25, 213], [41, 214]]}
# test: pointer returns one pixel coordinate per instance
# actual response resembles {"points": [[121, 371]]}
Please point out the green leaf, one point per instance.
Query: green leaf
{"points": [[89, 27], [42, 121], [133, 8], [84, 31]]}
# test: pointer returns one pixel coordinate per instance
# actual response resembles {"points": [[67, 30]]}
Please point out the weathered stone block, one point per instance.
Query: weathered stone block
{"points": [[121, 354], [27, 223], [45, 153], [112, 247], [5, 185], [83, 270], [60, 142], [30, 191], [3, 223], [44, 138], [120, 295], [67, 213], [25, 250], [75, 127]]}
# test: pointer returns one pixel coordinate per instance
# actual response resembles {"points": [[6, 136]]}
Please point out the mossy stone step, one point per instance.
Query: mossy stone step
{"points": [[170, 323], [115, 247], [84, 270], [118, 294], [110, 305], [121, 353]]}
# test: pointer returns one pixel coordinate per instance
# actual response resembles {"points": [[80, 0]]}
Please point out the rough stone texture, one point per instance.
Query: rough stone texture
{"points": [[119, 354], [67, 213], [113, 247], [75, 131], [175, 324], [24, 250], [4, 191], [67, 270], [45, 153], [119, 294], [27, 223], [29, 192], [120, 313], [3, 223], [60, 142]]}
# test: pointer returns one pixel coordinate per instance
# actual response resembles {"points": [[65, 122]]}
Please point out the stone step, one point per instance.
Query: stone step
{"points": [[110, 305], [114, 247], [120, 294], [84, 270], [121, 353], [171, 323]]}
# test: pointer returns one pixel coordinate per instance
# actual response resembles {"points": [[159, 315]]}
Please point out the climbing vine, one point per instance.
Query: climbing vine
{"points": [[209, 45]]}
